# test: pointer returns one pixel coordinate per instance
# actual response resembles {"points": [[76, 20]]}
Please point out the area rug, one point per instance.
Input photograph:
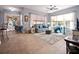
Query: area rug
{"points": [[50, 38]]}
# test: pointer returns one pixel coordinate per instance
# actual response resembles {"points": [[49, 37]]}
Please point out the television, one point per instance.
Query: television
{"points": [[77, 24]]}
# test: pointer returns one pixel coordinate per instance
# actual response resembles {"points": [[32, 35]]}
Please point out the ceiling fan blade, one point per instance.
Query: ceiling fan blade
{"points": [[51, 8], [55, 8], [47, 8]]}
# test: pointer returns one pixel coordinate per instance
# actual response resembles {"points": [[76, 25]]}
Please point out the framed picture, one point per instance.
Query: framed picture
{"points": [[26, 18]]}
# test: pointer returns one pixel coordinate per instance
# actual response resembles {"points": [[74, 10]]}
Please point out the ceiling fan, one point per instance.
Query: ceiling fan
{"points": [[52, 7]]}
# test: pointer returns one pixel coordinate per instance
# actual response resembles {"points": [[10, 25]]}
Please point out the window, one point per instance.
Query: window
{"points": [[65, 21], [37, 19]]}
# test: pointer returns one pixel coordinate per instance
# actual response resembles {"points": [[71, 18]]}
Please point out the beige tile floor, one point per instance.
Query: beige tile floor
{"points": [[30, 44]]}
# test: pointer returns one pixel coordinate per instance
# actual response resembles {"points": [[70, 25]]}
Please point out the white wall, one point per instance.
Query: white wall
{"points": [[23, 12]]}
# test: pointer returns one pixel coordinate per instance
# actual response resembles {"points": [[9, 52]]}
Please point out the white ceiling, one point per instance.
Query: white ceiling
{"points": [[41, 8]]}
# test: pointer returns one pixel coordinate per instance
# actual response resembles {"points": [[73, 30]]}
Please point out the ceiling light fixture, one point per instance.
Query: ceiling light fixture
{"points": [[52, 8], [12, 9]]}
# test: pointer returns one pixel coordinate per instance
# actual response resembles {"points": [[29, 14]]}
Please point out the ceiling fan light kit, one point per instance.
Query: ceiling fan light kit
{"points": [[52, 7]]}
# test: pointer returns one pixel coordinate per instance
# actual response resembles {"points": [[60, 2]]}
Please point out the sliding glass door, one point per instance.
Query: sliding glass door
{"points": [[63, 23]]}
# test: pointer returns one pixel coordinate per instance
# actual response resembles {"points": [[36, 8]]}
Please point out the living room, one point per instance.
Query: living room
{"points": [[37, 28]]}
